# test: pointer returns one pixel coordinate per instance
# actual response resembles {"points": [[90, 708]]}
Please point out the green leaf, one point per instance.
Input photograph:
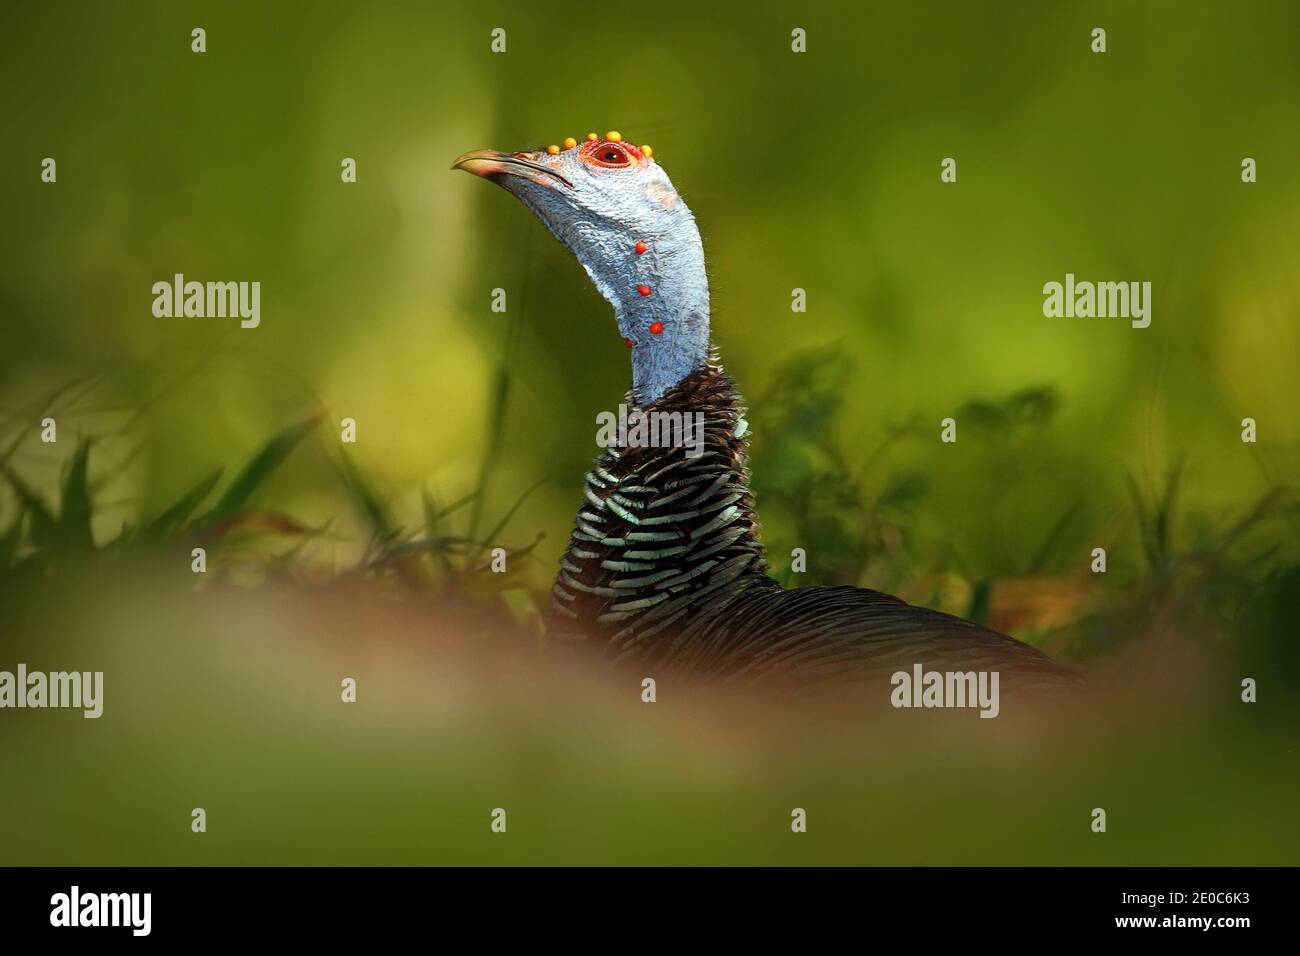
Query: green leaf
{"points": [[904, 489], [1033, 406], [982, 414], [48, 402]]}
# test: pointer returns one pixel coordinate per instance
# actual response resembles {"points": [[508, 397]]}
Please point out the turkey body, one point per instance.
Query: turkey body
{"points": [[665, 567]]}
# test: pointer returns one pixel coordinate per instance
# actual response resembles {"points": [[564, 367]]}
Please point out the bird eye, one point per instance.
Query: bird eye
{"points": [[607, 155]]}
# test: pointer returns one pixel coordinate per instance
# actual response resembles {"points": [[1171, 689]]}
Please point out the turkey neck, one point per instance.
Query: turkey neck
{"points": [[664, 535], [669, 332], [661, 301]]}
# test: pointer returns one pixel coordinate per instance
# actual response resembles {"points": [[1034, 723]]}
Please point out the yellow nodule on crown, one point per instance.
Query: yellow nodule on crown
{"points": [[553, 150], [570, 142], [592, 137], [614, 136], [646, 151]]}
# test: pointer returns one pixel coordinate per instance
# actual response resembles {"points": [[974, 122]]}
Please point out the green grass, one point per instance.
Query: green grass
{"points": [[857, 511]]}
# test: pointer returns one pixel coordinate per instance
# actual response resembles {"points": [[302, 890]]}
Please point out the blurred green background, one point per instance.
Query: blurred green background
{"points": [[818, 171]]}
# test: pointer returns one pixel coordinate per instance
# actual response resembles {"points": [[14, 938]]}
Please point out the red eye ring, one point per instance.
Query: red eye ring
{"points": [[607, 155]]}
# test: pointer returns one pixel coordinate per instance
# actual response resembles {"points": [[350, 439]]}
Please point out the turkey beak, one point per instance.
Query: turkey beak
{"points": [[494, 165]]}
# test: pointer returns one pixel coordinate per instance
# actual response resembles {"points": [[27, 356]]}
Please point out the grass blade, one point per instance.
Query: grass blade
{"points": [[367, 500], [510, 513], [44, 529], [174, 517], [496, 426], [257, 471], [75, 508], [456, 505], [9, 541]]}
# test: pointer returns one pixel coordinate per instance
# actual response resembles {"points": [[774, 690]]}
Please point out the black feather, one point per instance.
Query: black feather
{"points": [[665, 568]]}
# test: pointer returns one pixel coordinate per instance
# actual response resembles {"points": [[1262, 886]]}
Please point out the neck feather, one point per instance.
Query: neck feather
{"points": [[664, 538]]}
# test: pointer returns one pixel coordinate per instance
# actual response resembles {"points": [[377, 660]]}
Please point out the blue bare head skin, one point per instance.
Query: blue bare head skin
{"points": [[600, 198]]}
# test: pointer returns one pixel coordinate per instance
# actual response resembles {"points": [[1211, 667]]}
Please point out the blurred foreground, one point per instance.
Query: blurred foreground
{"points": [[229, 699]]}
